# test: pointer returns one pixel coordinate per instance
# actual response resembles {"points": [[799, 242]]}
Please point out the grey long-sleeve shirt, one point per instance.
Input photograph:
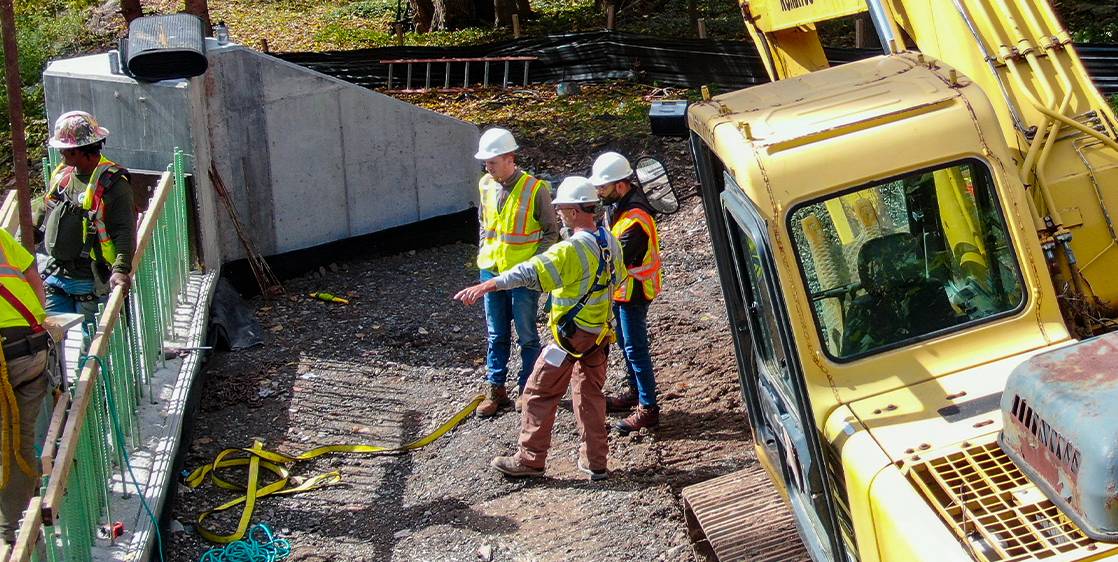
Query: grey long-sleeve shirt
{"points": [[545, 213]]}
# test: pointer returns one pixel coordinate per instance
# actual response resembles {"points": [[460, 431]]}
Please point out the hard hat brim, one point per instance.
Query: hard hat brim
{"points": [[485, 155], [568, 202], [102, 134]]}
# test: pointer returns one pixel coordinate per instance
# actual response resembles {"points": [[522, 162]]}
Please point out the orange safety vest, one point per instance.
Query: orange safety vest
{"points": [[647, 274]]}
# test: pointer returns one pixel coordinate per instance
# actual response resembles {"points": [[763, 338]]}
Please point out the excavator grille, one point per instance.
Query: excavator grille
{"points": [[995, 511]]}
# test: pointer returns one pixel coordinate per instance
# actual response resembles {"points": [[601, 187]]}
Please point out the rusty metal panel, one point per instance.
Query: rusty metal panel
{"points": [[996, 512], [1061, 428], [740, 516]]}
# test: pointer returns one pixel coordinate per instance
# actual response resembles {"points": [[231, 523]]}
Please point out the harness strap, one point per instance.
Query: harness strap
{"points": [[21, 308]]}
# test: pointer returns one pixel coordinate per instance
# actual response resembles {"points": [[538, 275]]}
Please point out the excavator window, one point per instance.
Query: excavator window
{"points": [[906, 259]]}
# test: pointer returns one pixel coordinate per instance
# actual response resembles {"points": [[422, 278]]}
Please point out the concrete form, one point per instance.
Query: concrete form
{"points": [[308, 159]]}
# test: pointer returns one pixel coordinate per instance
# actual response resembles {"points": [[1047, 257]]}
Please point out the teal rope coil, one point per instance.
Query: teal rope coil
{"points": [[260, 545]]}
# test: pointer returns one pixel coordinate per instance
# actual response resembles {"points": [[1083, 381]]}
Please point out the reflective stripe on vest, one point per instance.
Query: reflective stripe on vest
{"points": [[648, 272], [92, 201], [509, 235], [576, 261]]}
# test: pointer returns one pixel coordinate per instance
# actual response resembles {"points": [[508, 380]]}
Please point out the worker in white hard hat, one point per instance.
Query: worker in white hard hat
{"points": [[581, 273], [88, 220], [630, 218], [517, 222]]}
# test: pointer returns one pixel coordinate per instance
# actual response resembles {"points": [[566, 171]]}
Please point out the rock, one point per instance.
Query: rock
{"points": [[333, 267], [176, 526], [423, 331], [485, 553], [402, 533]]}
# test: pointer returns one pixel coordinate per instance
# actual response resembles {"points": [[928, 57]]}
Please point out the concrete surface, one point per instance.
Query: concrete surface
{"points": [[308, 159]]}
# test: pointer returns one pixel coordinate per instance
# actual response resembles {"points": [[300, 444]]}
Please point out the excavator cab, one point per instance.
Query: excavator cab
{"points": [[902, 260]]}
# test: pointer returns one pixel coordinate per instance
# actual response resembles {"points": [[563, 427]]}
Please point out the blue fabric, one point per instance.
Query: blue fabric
{"points": [[632, 337], [63, 303], [516, 307]]}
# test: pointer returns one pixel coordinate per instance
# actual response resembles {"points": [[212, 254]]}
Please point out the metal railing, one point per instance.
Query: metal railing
{"points": [[95, 425]]}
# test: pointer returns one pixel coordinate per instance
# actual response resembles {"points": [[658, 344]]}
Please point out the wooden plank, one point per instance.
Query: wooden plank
{"points": [[87, 381], [31, 527]]}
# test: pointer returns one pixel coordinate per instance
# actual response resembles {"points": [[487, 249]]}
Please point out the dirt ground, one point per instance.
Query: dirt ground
{"points": [[403, 357]]}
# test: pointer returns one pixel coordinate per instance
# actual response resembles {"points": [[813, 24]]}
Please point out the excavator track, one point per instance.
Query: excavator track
{"points": [[740, 516]]}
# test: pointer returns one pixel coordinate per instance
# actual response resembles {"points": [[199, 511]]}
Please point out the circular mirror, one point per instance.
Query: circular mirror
{"points": [[653, 178]]}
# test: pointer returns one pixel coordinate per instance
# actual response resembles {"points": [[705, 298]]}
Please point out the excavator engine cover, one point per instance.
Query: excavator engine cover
{"points": [[1061, 429]]}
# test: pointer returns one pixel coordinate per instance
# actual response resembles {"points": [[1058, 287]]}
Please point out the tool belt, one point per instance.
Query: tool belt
{"points": [[52, 290], [21, 341]]}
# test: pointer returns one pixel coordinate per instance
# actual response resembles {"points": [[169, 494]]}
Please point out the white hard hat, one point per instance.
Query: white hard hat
{"points": [[575, 190], [610, 167], [495, 142]]}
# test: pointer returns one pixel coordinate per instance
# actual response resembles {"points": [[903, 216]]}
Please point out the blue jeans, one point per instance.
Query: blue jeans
{"points": [[62, 301], [502, 308], [632, 338]]}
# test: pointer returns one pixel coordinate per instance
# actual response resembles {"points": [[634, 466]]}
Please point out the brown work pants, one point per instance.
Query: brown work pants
{"points": [[29, 381], [547, 385]]}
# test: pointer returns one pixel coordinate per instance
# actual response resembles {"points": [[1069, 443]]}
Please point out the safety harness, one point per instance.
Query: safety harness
{"points": [[565, 327], [9, 407]]}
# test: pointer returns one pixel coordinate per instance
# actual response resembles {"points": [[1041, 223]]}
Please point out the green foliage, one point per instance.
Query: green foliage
{"points": [[367, 9], [45, 29], [1089, 21]]}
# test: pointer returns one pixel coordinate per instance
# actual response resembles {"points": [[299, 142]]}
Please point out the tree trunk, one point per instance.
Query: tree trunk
{"points": [[504, 10], [453, 14], [201, 8], [131, 10], [484, 11], [524, 8], [424, 14]]}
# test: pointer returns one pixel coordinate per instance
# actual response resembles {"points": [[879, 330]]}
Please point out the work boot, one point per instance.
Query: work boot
{"points": [[623, 402], [496, 399], [510, 466], [595, 475], [643, 416]]}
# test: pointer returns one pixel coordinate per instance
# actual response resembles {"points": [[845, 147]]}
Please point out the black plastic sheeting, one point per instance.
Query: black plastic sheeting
{"points": [[604, 55]]}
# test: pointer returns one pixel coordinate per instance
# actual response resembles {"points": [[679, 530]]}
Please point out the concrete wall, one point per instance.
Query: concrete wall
{"points": [[147, 120], [308, 159]]}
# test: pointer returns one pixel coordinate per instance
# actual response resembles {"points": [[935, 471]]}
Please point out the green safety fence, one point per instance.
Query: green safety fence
{"points": [[102, 422]]}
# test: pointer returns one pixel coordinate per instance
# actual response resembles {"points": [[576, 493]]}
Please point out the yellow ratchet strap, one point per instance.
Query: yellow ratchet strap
{"points": [[257, 457], [9, 428]]}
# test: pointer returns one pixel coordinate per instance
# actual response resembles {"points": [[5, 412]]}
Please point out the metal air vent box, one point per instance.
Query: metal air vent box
{"points": [[1061, 429], [166, 47]]}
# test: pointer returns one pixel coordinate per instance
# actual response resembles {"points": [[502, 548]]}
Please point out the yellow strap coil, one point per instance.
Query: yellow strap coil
{"points": [[257, 457]]}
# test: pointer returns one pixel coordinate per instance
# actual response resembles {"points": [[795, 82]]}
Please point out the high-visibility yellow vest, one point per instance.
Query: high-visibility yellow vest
{"points": [[567, 269], [647, 274], [16, 260], [92, 202], [509, 235]]}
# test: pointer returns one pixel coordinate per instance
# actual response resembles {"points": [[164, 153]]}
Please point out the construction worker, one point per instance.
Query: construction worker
{"points": [[23, 366], [90, 221], [630, 218], [517, 222], [581, 273]]}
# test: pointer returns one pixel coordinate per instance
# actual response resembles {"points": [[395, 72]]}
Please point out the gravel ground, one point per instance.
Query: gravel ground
{"points": [[403, 357]]}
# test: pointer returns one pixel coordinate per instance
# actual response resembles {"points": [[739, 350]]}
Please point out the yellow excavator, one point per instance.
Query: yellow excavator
{"points": [[920, 265]]}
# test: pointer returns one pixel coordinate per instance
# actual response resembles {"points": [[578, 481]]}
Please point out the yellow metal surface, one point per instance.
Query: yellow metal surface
{"points": [[840, 128], [994, 509], [774, 15], [910, 422]]}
